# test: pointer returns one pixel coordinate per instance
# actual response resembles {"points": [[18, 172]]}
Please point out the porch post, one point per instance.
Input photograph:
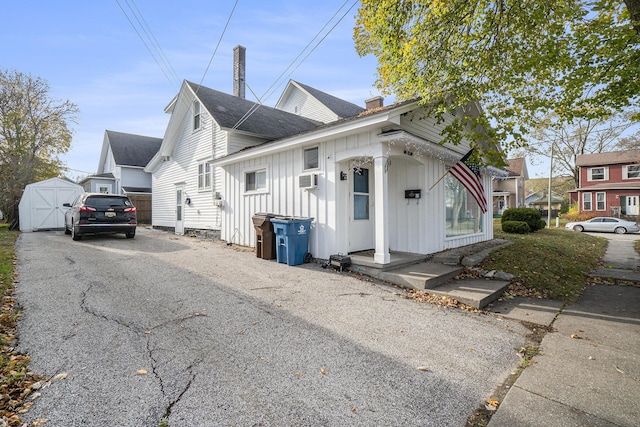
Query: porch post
{"points": [[381, 255]]}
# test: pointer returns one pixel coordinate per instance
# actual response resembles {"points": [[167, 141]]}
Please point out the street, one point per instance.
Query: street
{"points": [[131, 332]]}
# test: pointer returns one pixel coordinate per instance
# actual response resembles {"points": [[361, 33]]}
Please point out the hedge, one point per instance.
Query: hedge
{"points": [[517, 227], [531, 216]]}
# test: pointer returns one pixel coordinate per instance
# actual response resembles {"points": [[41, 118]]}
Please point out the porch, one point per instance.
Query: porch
{"points": [[436, 272]]}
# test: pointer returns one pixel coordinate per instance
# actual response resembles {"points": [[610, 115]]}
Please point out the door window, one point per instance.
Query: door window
{"points": [[360, 193]]}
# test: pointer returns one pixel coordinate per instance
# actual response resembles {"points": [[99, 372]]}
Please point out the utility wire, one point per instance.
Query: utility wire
{"points": [[271, 88], [224, 30], [144, 42]]}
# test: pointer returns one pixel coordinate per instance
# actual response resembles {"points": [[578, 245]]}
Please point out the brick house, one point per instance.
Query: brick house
{"points": [[609, 183]]}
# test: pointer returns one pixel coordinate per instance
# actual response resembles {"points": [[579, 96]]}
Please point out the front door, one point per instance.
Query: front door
{"points": [[179, 209], [361, 215], [632, 205]]}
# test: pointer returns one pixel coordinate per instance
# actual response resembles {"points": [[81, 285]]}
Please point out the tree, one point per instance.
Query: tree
{"points": [[33, 132], [522, 60], [585, 136]]}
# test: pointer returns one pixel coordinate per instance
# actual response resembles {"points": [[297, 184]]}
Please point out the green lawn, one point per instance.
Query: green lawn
{"points": [[552, 262]]}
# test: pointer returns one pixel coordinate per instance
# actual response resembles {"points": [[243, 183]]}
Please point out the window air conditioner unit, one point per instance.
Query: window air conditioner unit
{"points": [[308, 181], [165, 158]]}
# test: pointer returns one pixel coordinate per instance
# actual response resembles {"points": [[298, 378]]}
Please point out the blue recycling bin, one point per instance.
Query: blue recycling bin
{"points": [[292, 239]]}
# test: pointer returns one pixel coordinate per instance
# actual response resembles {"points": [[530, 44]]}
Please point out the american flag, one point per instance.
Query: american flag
{"points": [[469, 176]]}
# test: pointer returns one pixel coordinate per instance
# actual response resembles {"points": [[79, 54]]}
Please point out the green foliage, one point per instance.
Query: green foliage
{"points": [[523, 60], [531, 216], [517, 227], [555, 263], [33, 133]]}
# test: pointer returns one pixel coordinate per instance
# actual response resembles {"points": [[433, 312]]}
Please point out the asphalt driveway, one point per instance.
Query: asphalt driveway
{"points": [[133, 331]]}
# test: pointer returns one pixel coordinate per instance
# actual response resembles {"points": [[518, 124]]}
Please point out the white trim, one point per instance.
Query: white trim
{"points": [[625, 171], [604, 201], [264, 190], [590, 201], [590, 173]]}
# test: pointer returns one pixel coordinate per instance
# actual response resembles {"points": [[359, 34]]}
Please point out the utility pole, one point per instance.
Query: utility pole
{"points": [[549, 190]]}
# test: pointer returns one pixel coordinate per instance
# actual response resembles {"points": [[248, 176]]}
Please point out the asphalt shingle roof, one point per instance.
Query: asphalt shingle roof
{"points": [[340, 107], [132, 150], [610, 158], [227, 110]]}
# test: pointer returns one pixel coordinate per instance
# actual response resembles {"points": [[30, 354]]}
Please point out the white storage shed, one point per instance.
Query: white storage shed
{"points": [[41, 204]]}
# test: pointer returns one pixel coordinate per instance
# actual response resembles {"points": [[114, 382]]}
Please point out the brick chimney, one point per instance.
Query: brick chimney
{"points": [[375, 102], [239, 67]]}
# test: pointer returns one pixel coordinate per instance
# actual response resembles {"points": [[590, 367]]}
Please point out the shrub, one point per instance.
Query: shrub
{"points": [[516, 227], [531, 216], [574, 215]]}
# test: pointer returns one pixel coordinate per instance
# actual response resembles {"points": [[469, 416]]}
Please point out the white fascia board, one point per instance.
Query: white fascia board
{"points": [[386, 118]]}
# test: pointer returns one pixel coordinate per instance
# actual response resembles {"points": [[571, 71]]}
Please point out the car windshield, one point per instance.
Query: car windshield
{"points": [[107, 202]]}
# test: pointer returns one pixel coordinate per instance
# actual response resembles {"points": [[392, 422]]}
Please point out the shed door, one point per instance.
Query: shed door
{"points": [[46, 206]]}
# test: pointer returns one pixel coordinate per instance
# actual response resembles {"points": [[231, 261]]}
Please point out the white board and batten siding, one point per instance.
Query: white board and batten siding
{"points": [[414, 226]]}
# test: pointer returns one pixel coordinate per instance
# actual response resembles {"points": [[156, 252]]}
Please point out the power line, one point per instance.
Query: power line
{"points": [[271, 88], [224, 30], [165, 69]]}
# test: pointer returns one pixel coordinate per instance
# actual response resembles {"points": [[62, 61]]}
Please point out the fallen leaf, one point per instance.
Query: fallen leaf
{"points": [[493, 402], [353, 409], [323, 371], [39, 422], [422, 368], [147, 332], [141, 372], [576, 337], [60, 376], [618, 369]]}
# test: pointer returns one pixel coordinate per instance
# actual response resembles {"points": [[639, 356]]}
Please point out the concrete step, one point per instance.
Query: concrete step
{"points": [[477, 293], [425, 275]]}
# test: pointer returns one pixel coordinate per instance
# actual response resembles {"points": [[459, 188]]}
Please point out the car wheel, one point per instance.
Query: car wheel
{"points": [[620, 230], [131, 234], [578, 228], [74, 233]]}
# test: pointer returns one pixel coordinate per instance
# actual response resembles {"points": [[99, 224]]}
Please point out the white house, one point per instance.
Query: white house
{"points": [[121, 165], [365, 176]]}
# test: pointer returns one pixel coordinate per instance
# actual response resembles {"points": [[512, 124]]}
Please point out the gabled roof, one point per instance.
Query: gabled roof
{"points": [[340, 107], [517, 167], [228, 110], [132, 150], [611, 158]]}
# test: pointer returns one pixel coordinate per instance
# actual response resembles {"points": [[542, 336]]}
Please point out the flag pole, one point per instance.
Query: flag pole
{"points": [[436, 183]]}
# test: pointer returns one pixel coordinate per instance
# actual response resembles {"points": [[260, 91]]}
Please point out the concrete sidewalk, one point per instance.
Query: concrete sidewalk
{"points": [[588, 373]]}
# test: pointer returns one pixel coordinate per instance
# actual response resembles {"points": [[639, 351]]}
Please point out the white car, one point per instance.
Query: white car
{"points": [[605, 224]]}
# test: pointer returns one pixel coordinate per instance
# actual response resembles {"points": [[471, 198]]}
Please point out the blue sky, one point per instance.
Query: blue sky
{"points": [[91, 55]]}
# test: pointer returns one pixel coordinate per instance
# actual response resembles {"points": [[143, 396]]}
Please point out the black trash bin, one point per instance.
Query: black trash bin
{"points": [[265, 238]]}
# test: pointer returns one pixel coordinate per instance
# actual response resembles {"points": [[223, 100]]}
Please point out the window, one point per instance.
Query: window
{"points": [[104, 189], [204, 176], [311, 158], [600, 201], [598, 174], [255, 181], [586, 201], [631, 172], [463, 215], [360, 193], [196, 115]]}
